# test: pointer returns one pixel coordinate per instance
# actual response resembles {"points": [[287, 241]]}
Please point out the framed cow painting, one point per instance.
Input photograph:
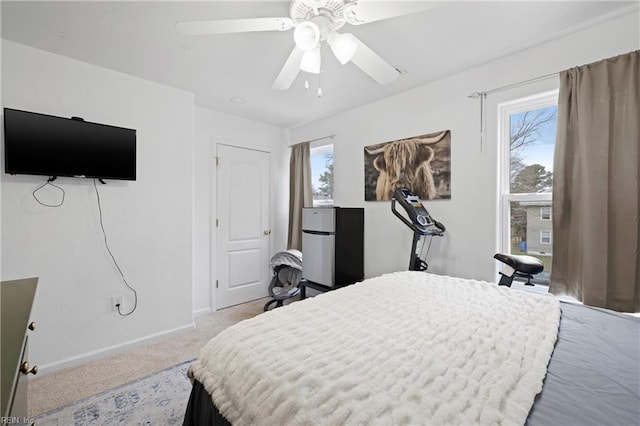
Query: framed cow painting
{"points": [[420, 163]]}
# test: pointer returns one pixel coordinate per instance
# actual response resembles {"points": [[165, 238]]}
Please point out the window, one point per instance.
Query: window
{"points": [[527, 140], [545, 213], [322, 175]]}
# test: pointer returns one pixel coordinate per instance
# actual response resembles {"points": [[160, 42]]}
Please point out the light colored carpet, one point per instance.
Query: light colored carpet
{"points": [[60, 388], [158, 399]]}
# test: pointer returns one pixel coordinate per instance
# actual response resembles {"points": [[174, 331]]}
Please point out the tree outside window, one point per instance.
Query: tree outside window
{"points": [[322, 175]]}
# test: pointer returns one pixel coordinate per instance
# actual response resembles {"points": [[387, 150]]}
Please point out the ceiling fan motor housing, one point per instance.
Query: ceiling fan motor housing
{"points": [[327, 14]]}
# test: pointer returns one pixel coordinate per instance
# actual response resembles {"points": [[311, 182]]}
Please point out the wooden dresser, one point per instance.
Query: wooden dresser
{"points": [[16, 299]]}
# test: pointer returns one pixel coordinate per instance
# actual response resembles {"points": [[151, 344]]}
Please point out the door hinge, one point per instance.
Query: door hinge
{"points": [[216, 283], [217, 161], [216, 222]]}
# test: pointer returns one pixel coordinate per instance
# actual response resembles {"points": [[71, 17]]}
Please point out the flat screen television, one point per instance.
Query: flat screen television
{"points": [[40, 144]]}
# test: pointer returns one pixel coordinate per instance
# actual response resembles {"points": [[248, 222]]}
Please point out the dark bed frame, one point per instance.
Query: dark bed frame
{"points": [[201, 410]]}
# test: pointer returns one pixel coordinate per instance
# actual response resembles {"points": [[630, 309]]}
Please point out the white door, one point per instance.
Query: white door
{"points": [[243, 233]]}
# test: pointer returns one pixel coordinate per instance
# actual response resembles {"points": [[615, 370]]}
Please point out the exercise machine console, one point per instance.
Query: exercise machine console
{"points": [[419, 221]]}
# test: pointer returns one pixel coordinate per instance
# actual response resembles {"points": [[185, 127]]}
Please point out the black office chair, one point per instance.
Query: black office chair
{"points": [[287, 274]]}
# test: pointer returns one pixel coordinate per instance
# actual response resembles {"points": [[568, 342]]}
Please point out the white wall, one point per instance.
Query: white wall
{"points": [[159, 226], [470, 216], [148, 222], [213, 128]]}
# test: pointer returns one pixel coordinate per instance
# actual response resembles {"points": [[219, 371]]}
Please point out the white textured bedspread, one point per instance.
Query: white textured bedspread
{"points": [[404, 348]]}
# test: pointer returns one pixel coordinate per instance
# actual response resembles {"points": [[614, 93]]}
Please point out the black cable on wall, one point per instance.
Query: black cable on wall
{"points": [[106, 243]]}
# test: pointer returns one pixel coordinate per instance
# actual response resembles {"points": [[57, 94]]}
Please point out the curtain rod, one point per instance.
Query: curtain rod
{"points": [[483, 98], [316, 139], [509, 86]]}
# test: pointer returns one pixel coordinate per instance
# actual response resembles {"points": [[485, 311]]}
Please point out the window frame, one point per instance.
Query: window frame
{"points": [[505, 110], [550, 237]]}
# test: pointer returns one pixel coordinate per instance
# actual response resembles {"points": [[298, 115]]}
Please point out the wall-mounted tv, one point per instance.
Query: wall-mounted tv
{"points": [[40, 144]]}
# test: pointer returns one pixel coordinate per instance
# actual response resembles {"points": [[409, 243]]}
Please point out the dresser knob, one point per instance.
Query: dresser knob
{"points": [[24, 368], [32, 325]]}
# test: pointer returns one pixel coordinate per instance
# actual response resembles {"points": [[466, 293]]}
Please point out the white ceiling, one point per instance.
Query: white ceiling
{"points": [[139, 38]]}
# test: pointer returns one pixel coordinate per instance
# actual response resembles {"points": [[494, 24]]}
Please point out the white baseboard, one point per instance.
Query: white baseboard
{"points": [[200, 312], [120, 347]]}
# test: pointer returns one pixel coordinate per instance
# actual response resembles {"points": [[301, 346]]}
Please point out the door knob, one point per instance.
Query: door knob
{"points": [[266, 232]]}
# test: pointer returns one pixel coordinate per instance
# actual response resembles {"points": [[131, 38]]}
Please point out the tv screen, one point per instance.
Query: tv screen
{"points": [[40, 144]]}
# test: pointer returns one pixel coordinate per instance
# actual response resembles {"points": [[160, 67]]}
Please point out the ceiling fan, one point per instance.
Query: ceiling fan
{"points": [[314, 22]]}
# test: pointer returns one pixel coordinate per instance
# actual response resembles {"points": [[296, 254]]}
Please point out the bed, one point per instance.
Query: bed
{"points": [[418, 348]]}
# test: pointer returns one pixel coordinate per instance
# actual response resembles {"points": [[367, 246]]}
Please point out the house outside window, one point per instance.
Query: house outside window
{"points": [[527, 129], [322, 175], [537, 223]]}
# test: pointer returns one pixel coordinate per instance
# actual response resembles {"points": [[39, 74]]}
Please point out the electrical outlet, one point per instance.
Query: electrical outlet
{"points": [[115, 302]]}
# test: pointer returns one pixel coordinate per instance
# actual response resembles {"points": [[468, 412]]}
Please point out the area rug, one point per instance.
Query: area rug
{"points": [[157, 399]]}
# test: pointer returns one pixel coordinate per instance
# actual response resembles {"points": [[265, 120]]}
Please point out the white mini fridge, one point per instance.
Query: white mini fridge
{"points": [[333, 245]]}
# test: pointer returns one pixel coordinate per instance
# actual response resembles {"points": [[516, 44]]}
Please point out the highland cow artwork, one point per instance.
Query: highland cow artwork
{"points": [[420, 163]]}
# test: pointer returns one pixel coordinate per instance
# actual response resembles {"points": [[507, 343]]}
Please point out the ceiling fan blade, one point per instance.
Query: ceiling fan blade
{"points": [[289, 70], [372, 64], [365, 11], [225, 26]]}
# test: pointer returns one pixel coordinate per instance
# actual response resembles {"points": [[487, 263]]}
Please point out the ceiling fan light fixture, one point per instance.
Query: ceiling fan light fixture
{"points": [[311, 61], [307, 36], [342, 46]]}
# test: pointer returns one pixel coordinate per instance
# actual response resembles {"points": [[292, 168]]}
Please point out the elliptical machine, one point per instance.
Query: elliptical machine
{"points": [[421, 223]]}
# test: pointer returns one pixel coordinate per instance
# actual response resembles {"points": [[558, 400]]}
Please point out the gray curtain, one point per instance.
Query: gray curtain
{"points": [[596, 252], [300, 194]]}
